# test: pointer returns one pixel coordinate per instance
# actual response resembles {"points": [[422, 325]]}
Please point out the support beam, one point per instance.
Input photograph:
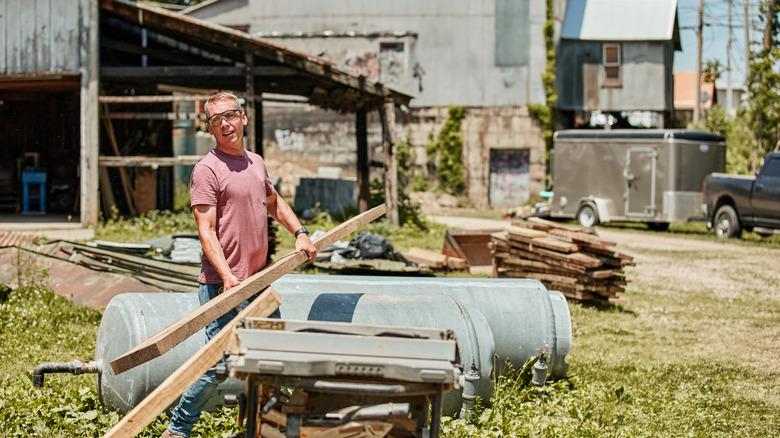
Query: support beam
{"points": [[249, 106], [89, 128], [363, 175], [387, 113]]}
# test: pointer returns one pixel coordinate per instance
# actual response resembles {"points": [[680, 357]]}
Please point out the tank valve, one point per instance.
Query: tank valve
{"points": [[76, 367], [469, 394], [539, 372]]}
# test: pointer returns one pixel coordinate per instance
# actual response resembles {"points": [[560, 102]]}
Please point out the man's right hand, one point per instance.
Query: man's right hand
{"points": [[230, 281]]}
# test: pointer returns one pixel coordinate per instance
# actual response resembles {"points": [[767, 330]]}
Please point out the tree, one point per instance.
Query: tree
{"points": [[763, 85]]}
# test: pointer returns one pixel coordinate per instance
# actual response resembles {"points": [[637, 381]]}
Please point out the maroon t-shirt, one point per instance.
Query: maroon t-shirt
{"points": [[238, 187]]}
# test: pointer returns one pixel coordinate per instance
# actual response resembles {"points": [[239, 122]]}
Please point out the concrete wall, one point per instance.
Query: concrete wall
{"points": [[328, 139], [483, 130]]}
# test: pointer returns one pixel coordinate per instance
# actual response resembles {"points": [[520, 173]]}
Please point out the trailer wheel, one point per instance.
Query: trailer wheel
{"points": [[726, 223], [587, 216], [658, 226]]}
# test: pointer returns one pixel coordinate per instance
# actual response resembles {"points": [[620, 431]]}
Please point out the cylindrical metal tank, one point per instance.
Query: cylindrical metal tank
{"points": [[509, 318], [522, 314], [132, 318]]}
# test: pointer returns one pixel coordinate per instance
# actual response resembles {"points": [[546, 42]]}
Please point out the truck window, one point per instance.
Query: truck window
{"points": [[771, 169]]}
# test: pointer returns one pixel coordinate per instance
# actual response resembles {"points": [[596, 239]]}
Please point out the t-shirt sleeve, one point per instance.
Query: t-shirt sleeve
{"points": [[204, 187], [269, 186]]}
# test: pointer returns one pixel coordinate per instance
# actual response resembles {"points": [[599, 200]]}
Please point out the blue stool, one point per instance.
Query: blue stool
{"points": [[31, 178]]}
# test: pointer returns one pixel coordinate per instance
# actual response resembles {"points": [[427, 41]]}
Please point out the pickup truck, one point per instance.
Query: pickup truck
{"points": [[738, 202]]}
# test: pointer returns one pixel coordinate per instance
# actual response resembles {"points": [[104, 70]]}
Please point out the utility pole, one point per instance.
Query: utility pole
{"points": [[728, 66], [697, 85], [746, 26]]}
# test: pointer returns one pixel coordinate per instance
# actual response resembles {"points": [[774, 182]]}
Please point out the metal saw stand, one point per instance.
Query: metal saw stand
{"points": [[317, 379]]}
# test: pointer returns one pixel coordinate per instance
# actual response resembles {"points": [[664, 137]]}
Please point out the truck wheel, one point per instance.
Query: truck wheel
{"points": [[726, 223], [587, 216]]}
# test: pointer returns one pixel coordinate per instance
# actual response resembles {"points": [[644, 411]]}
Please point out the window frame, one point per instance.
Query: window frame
{"points": [[611, 81]]}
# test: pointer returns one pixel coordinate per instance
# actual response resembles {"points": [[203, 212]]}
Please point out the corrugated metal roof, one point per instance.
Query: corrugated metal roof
{"points": [[620, 20]]}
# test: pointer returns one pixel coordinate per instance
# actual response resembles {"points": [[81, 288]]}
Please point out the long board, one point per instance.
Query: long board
{"points": [[188, 325]]}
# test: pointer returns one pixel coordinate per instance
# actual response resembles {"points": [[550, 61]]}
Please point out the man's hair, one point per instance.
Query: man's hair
{"points": [[222, 95]]}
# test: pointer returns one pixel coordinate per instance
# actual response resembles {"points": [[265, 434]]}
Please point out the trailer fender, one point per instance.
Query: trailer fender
{"points": [[601, 207]]}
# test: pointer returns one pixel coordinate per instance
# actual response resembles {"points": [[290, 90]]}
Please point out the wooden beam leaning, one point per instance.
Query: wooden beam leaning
{"points": [[191, 370], [200, 317]]}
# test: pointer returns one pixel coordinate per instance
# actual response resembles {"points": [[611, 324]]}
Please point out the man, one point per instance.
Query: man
{"points": [[231, 196]]}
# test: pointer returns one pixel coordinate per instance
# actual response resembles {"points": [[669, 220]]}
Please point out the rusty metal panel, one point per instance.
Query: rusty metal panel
{"points": [[469, 245], [591, 86]]}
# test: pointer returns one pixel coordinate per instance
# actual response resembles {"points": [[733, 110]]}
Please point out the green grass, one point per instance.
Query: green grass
{"points": [[687, 355]]}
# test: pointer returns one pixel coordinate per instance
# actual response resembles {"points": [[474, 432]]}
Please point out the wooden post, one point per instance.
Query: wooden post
{"points": [[363, 174], [391, 172], [249, 106], [89, 128], [185, 327], [258, 128]]}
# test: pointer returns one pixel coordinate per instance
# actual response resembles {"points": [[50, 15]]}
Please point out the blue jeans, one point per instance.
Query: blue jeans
{"points": [[187, 412]]}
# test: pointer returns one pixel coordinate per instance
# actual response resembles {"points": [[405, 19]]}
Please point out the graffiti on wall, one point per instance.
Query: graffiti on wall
{"points": [[289, 140], [366, 65], [509, 177]]}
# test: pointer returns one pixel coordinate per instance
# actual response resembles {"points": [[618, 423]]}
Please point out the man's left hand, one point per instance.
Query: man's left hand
{"points": [[304, 243]]}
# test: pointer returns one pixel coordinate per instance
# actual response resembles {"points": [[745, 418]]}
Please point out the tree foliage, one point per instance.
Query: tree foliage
{"points": [[763, 87], [450, 148]]}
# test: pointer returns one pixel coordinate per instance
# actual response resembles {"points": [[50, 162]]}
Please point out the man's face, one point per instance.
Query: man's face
{"points": [[226, 123]]}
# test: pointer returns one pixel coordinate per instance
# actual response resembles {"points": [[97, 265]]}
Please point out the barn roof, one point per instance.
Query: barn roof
{"points": [[143, 44], [621, 20]]}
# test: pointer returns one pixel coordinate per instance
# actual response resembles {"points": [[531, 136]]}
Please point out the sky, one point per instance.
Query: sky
{"points": [[715, 35]]}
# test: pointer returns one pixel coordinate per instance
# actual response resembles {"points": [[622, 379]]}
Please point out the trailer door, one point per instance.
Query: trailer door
{"points": [[639, 174]]}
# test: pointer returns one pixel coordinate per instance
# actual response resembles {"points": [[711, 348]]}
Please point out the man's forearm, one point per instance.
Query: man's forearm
{"points": [[214, 253]]}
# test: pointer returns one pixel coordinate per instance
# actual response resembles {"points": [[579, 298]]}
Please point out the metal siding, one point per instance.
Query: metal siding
{"points": [[3, 36], [39, 36], [455, 44], [14, 37], [27, 38], [63, 36], [511, 31], [42, 39]]}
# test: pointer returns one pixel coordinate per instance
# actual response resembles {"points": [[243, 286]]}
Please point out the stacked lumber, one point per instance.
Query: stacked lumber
{"points": [[433, 260], [568, 259]]}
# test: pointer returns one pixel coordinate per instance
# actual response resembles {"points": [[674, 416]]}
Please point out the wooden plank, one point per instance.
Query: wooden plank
{"points": [[579, 236], [546, 242], [428, 258], [123, 178], [554, 225], [525, 232], [198, 318], [191, 370]]}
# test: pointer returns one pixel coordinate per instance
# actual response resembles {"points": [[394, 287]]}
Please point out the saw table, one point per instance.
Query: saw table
{"points": [[321, 379]]}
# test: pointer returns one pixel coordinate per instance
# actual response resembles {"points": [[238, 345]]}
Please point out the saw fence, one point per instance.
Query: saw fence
{"points": [[579, 264]]}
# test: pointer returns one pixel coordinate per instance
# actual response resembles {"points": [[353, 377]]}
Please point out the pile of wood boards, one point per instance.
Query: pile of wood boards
{"points": [[433, 260], [579, 264]]}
